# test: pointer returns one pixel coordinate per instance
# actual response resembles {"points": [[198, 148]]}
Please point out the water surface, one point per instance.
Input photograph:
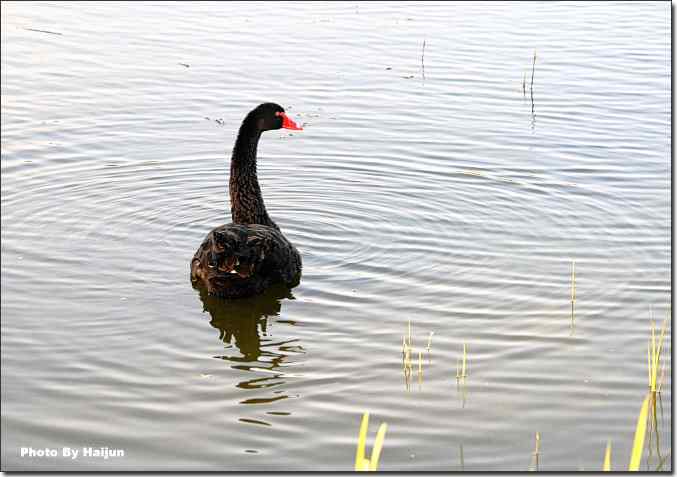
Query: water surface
{"points": [[426, 186]]}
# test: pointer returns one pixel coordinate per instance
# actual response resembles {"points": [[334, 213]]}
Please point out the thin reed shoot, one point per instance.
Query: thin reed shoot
{"points": [[573, 281], [537, 452], [533, 70], [462, 364], [647, 419], [607, 458], [654, 352], [409, 342], [573, 295], [408, 355], [361, 462], [422, 62], [430, 341]]}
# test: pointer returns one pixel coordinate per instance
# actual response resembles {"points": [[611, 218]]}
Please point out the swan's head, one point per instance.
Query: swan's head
{"points": [[269, 116]]}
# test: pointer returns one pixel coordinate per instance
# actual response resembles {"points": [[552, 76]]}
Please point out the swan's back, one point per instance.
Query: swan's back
{"points": [[238, 260]]}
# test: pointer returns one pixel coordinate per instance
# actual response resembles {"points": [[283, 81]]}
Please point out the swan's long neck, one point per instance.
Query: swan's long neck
{"points": [[246, 202]]}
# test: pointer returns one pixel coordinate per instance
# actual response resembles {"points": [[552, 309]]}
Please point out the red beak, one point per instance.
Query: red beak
{"points": [[288, 123]]}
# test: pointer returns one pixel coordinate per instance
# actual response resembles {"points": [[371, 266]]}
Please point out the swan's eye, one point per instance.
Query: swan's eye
{"points": [[278, 113]]}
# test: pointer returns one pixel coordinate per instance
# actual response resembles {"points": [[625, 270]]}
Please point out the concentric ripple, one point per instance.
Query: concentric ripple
{"points": [[449, 200]]}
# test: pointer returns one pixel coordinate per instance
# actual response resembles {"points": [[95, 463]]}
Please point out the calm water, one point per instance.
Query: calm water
{"points": [[440, 195]]}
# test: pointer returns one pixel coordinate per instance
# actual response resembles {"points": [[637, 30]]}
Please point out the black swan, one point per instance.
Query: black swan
{"points": [[247, 256]]}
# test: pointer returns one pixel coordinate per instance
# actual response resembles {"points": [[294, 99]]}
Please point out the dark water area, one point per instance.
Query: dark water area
{"points": [[428, 186]]}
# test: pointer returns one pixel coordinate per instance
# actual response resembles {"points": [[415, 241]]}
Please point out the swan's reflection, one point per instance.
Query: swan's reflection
{"points": [[244, 324]]}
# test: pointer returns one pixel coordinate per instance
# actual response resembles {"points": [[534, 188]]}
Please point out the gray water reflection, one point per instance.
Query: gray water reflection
{"points": [[454, 202]]}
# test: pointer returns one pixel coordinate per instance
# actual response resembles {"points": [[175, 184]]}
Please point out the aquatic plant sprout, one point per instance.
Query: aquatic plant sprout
{"points": [[361, 462]]}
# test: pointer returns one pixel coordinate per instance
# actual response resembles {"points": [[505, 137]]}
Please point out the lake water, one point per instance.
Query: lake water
{"points": [[427, 186]]}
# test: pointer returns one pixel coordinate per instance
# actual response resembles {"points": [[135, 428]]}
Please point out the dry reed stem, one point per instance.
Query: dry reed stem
{"points": [[422, 63], [537, 451]]}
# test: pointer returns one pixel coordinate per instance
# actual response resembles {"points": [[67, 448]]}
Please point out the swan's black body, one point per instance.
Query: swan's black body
{"points": [[249, 255]]}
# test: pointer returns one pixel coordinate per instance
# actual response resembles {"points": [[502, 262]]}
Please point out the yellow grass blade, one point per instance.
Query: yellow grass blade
{"points": [[538, 443], [573, 281], [660, 380], [536, 452], [462, 364], [465, 357], [661, 339], [361, 442], [607, 458], [653, 355], [640, 432], [378, 445], [648, 362]]}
